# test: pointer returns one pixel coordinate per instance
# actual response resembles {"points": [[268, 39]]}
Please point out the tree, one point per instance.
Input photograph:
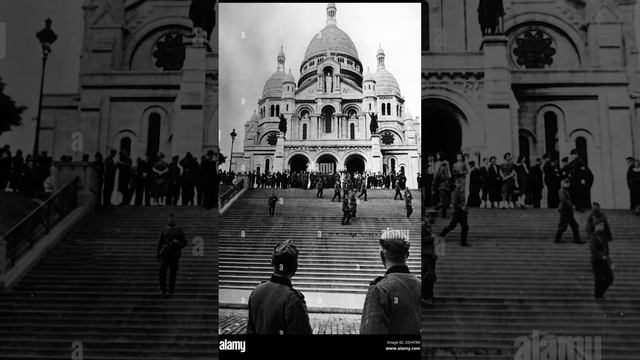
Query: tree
{"points": [[10, 113]]}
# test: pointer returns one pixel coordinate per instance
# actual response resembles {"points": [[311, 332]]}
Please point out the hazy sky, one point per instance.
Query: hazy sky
{"points": [[21, 67], [246, 63]]}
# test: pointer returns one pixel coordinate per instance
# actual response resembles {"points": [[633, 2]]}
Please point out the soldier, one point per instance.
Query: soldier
{"points": [[566, 213], [599, 238], [459, 214], [363, 189], [353, 204], [398, 185], [273, 199], [346, 209], [407, 201], [392, 304], [336, 192], [275, 307], [169, 250], [319, 187]]}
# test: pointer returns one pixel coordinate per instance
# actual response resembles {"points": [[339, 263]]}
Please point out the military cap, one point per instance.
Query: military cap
{"points": [[285, 253], [395, 243]]}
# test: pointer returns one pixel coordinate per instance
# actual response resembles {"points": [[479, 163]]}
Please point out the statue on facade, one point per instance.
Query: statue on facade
{"points": [[283, 124], [328, 82], [203, 15], [490, 16], [373, 126]]}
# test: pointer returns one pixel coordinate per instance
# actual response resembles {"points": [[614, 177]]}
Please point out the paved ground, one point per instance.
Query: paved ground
{"points": [[235, 322]]}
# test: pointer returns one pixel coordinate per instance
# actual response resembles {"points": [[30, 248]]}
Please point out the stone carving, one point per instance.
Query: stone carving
{"points": [[534, 49]]}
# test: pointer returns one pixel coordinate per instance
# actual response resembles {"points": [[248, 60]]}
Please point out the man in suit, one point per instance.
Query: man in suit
{"points": [[566, 214], [170, 245]]}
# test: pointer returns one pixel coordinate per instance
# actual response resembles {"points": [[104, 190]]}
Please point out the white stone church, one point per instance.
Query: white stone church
{"points": [[328, 113]]}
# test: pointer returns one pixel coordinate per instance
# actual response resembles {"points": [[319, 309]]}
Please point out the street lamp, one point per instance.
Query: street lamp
{"points": [[233, 139], [46, 37]]}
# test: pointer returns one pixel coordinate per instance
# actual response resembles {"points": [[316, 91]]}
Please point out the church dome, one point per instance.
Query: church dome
{"points": [[368, 76], [386, 83], [273, 86], [331, 38]]}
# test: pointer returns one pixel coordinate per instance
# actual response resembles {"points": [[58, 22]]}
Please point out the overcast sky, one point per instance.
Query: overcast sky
{"points": [[246, 63]]}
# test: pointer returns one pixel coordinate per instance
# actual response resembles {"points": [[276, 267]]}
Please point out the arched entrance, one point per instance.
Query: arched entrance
{"points": [[355, 163], [441, 130], [298, 163], [327, 164]]}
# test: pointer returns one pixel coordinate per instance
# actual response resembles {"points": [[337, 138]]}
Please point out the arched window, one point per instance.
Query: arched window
{"points": [[581, 148], [287, 107], [369, 106], [125, 145], [273, 110], [277, 110], [153, 134], [304, 131], [388, 108], [384, 109], [327, 114], [258, 169], [352, 131], [267, 165], [551, 134], [393, 165]]}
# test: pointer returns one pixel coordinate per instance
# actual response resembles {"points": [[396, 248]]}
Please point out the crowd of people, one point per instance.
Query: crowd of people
{"points": [[26, 174], [154, 181], [510, 184]]}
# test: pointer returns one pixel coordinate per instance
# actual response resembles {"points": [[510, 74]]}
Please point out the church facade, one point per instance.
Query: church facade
{"points": [[328, 113], [562, 75], [147, 85]]}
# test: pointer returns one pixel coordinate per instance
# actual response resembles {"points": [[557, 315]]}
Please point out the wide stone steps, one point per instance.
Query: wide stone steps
{"points": [[333, 258], [99, 287], [514, 280]]}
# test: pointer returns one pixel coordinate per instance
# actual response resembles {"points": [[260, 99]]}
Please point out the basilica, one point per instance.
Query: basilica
{"points": [[559, 75], [322, 121]]}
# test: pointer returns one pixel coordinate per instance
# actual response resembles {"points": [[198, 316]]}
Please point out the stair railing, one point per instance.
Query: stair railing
{"points": [[230, 193], [31, 229]]}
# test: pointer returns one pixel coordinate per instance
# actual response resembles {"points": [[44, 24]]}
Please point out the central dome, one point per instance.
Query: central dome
{"points": [[331, 38]]}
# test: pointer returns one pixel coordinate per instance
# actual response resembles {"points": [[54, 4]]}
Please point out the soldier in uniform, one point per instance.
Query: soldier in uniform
{"points": [[353, 204], [407, 201], [398, 188], [363, 190], [275, 307], [392, 304], [319, 187], [459, 215], [346, 209], [336, 191], [273, 199], [566, 213], [599, 238], [170, 245]]}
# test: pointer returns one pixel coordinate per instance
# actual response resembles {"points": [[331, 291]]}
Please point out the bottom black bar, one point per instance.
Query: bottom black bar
{"points": [[311, 346]]}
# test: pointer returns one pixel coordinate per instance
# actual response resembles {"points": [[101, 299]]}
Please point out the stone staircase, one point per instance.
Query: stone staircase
{"points": [[337, 261], [97, 290], [514, 280]]}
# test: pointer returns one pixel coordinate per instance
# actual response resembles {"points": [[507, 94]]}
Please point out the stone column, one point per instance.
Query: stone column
{"points": [[278, 161], [376, 154], [501, 111], [188, 116]]}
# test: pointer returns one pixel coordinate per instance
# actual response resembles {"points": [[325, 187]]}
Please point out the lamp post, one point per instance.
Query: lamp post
{"points": [[233, 139], [46, 37]]}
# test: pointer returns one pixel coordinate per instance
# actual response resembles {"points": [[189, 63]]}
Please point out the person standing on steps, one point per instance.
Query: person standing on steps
{"points": [[440, 187], [363, 190], [275, 307], [599, 238], [353, 204], [273, 199], [319, 188], [336, 192], [566, 213], [110, 169], [459, 215], [170, 245], [407, 201], [398, 184], [429, 257], [346, 209], [392, 304]]}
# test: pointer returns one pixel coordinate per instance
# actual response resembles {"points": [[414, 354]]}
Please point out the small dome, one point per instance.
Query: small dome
{"points": [[273, 86], [407, 115], [368, 76], [380, 52], [254, 117], [386, 83], [289, 78]]}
